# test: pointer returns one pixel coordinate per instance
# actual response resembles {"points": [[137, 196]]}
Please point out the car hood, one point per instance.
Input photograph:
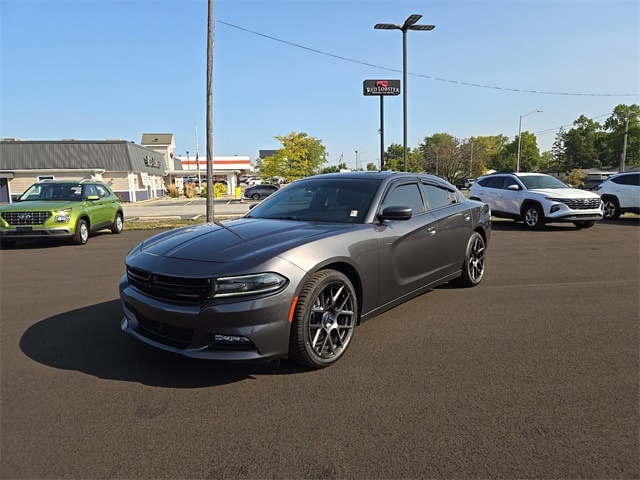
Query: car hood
{"points": [[236, 240], [38, 205], [563, 193]]}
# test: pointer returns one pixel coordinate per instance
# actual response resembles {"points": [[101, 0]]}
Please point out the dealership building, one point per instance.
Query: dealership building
{"points": [[135, 172]]}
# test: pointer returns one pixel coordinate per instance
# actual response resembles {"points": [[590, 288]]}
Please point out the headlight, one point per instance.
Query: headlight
{"points": [[63, 216], [247, 284]]}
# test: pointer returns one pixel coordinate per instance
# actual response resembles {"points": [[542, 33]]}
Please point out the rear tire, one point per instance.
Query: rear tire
{"points": [[473, 266], [324, 320], [611, 208], [82, 232], [118, 224]]}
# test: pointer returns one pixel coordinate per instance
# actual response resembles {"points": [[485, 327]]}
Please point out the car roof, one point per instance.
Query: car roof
{"points": [[378, 174], [59, 182]]}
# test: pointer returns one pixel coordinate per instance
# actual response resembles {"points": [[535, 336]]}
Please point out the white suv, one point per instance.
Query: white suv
{"points": [[537, 199], [620, 193]]}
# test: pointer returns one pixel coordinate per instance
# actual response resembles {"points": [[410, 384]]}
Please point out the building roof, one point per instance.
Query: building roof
{"points": [[110, 155], [157, 139]]}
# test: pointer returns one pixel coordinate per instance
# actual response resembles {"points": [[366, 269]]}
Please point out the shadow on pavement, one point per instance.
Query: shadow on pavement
{"points": [[89, 340]]}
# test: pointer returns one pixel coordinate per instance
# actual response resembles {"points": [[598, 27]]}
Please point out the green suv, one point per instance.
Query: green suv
{"points": [[61, 209]]}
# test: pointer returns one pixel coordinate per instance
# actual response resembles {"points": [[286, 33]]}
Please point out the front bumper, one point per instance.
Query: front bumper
{"points": [[249, 330], [17, 233]]}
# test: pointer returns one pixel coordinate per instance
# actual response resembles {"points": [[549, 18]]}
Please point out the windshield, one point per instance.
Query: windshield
{"points": [[321, 200], [541, 181], [52, 191]]}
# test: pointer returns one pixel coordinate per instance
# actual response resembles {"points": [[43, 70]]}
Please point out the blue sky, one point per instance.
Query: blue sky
{"points": [[95, 70]]}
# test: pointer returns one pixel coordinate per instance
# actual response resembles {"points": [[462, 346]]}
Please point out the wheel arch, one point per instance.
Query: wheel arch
{"points": [[84, 216], [352, 274], [529, 202]]}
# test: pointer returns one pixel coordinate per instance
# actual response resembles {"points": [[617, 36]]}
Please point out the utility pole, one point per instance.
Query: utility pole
{"points": [[623, 157], [209, 154]]}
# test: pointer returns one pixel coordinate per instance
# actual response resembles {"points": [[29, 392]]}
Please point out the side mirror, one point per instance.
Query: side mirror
{"points": [[395, 213], [513, 187], [93, 197]]}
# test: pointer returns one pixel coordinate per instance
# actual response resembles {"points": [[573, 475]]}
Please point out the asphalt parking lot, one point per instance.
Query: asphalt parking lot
{"points": [[533, 374]]}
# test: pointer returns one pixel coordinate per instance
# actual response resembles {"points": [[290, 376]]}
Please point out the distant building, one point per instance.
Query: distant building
{"points": [[134, 172]]}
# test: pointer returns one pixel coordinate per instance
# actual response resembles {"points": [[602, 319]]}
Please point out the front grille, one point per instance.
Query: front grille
{"points": [[172, 289], [580, 203], [25, 218]]}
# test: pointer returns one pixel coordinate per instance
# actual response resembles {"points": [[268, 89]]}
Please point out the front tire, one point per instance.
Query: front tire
{"points": [[474, 260], [256, 196], [118, 224], [611, 208], [324, 320], [82, 232], [533, 217]]}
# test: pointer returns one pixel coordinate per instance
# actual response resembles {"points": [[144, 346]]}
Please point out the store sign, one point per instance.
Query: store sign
{"points": [[381, 87], [152, 162]]}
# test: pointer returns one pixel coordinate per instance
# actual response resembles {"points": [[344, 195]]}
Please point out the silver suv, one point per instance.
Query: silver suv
{"points": [[536, 199], [620, 193]]}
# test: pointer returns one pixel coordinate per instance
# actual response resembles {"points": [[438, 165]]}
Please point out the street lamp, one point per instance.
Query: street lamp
{"points": [[520, 137], [409, 24]]}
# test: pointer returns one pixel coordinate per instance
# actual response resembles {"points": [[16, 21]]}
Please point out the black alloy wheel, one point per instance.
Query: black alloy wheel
{"points": [[474, 262], [324, 320]]}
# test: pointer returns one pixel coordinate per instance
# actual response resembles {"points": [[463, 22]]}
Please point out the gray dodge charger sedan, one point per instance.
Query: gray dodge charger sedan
{"points": [[295, 275]]}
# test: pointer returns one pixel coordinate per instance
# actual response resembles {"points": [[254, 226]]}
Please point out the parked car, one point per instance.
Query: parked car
{"points": [[620, 193], [591, 183], [258, 192], [61, 209], [295, 275], [536, 199], [465, 183]]}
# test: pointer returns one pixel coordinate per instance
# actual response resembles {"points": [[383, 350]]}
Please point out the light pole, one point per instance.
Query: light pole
{"points": [[520, 137], [409, 24]]}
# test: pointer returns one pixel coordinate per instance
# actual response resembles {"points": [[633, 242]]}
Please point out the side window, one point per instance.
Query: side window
{"points": [[90, 190], [438, 197], [508, 181], [407, 195], [495, 182], [102, 191], [633, 179]]}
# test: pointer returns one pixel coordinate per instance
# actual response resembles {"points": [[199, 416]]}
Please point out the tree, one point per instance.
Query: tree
{"points": [[300, 156], [371, 167], [485, 150], [506, 159], [441, 156], [624, 121], [394, 158], [579, 146]]}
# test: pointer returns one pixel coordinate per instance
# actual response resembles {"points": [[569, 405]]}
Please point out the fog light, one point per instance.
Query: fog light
{"points": [[231, 338], [555, 208]]}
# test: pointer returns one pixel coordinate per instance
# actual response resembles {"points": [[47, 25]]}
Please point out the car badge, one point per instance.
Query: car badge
{"points": [[24, 216]]}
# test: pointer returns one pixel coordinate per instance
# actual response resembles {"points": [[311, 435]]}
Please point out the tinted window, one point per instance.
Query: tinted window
{"points": [[320, 199], [633, 179], [495, 182], [407, 195], [438, 197]]}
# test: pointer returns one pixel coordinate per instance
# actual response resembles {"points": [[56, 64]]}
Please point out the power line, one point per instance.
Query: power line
{"points": [[459, 82], [553, 130]]}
